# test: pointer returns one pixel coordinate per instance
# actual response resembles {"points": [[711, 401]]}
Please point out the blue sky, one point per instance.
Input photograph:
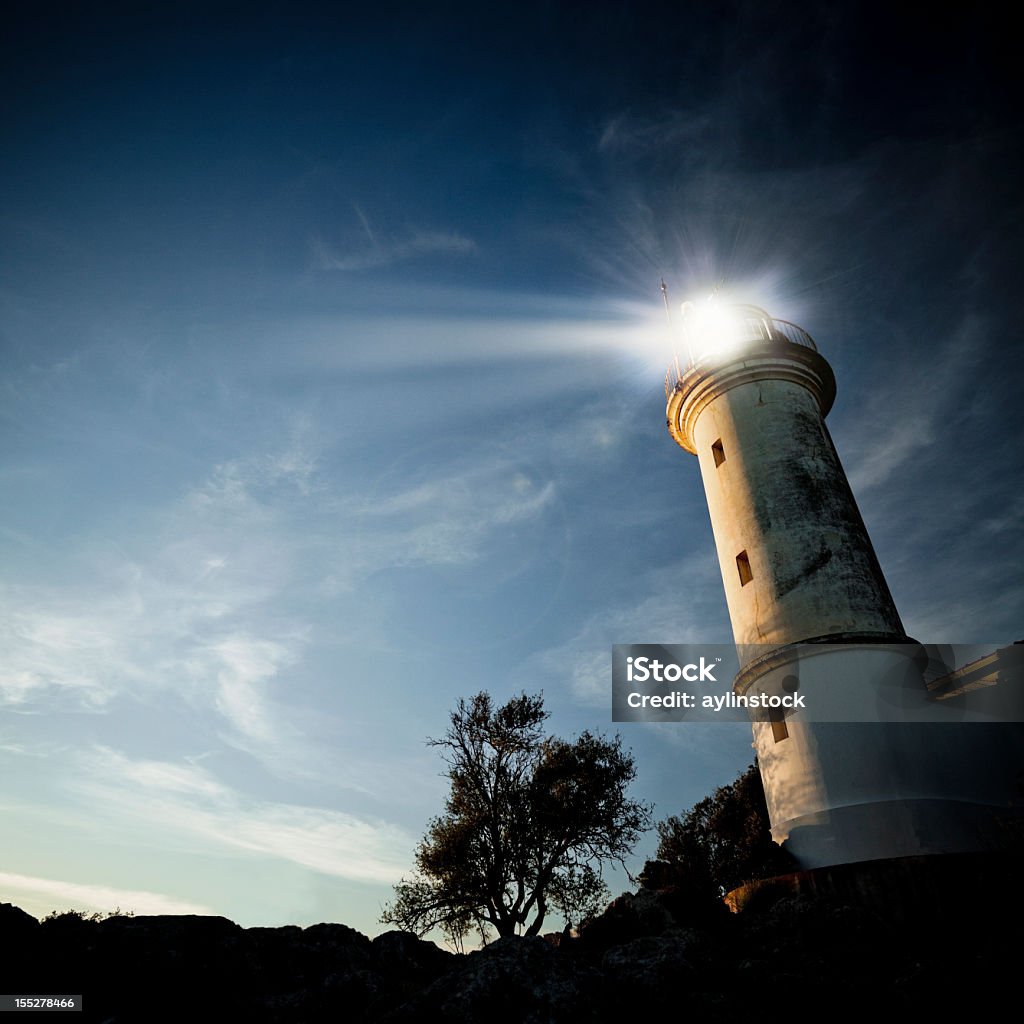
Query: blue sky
{"points": [[332, 358]]}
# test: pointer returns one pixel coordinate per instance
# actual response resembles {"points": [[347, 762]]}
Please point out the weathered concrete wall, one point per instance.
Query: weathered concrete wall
{"points": [[781, 496]]}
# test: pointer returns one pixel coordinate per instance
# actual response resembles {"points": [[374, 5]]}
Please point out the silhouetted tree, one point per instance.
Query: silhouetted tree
{"points": [[529, 821], [722, 841]]}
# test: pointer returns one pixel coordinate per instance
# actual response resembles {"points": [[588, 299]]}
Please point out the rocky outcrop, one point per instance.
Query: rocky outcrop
{"points": [[16, 925], [650, 952], [165, 968]]}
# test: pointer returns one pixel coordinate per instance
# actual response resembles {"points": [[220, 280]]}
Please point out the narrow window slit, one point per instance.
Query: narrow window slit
{"points": [[743, 568], [778, 720], [718, 452]]}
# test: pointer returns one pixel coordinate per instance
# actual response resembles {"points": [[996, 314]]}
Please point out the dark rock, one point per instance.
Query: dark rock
{"points": [[335, 937], [520, 979], [650, 973], [803, 925], [651, 912], [691, 907], [20, 936], [16, 926], [631, 916], [163, 929], [396, 951], [648, 957]]}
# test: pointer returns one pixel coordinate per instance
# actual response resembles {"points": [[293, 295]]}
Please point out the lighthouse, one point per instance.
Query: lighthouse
{"points": [[804, 588]]}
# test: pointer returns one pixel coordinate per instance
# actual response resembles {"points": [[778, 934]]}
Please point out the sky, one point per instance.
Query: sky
{"points": [[331, 391]]}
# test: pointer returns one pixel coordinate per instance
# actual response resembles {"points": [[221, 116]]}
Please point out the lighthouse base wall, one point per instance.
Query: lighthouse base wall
{"points": [[901, 828], [839, 793]]}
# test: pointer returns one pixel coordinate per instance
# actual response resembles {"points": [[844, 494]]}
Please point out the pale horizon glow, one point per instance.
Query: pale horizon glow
{"points": [[42, 896]]}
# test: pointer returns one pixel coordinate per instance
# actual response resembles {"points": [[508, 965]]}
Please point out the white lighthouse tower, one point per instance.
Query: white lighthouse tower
{"points": [[800, 574]]}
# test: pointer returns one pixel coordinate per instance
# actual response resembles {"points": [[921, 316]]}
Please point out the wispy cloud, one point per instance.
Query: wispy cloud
{"points": [[54, 894], [65, 652], [447, 519], [186, 801], [246, 665], [191, 612], [903, 419], [639, 133], [79, 651], [255, 484], [374, 250]]}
